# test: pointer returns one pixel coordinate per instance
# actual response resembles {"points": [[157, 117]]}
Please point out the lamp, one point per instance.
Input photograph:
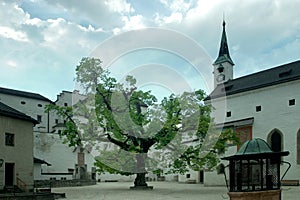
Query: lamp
{"points": [[1, 162]]}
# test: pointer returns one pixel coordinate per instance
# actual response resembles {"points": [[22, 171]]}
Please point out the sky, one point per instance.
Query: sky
{"points": [[161, 42]]}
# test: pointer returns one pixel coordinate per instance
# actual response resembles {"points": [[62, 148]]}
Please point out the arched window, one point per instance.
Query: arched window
{"points": [[275, 140], [298, 147]]}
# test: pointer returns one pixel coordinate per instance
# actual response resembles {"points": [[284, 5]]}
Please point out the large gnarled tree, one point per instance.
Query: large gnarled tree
{"points": [[147, 135]]}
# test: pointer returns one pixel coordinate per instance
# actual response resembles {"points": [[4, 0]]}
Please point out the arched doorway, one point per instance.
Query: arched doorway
{"points": [[275, 140]]}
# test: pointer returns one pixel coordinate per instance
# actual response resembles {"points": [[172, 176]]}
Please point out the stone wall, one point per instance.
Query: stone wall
{"points": [[62, 183]]}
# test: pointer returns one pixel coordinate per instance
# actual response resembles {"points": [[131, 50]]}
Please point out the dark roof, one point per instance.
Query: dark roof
{"points": [[23, 94], [39, 161], [7, 111], [281, 74], [239, 122], [223, 52]]}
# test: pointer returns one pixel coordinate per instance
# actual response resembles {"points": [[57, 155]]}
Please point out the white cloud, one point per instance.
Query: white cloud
{"points": [[173, 18], [120, 6], [180, 6], [10, 33], [203, 9], [134, 22], [90, 28], [130, 23], [34, 22], [11, 63]]}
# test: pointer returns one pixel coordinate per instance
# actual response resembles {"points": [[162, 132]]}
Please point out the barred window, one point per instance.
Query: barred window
{"points": [[9, 139]]}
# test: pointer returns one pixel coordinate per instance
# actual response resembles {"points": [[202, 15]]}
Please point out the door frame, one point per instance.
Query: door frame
{"points": [[9, 174]]}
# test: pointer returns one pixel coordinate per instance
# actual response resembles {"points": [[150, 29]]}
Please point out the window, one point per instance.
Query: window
{"points": [[39, 118], [56, 121], [66, 104], [244, 133], [40, 105], [9, 139], [228, 114], [292, 102], [258, 108], [188, 175], [23, 102]]}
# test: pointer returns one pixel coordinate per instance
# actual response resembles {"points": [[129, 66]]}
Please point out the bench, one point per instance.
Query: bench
{"points": [[43, 190], [290, 182], [191, 181]]}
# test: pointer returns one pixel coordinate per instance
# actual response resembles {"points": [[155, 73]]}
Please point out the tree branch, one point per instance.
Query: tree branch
{"points": [[122, 145]]}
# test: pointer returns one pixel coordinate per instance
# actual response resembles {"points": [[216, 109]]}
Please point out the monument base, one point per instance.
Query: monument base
{"points": [[141, 187]]}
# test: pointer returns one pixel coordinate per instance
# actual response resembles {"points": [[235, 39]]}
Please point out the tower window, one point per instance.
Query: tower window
{"points": [[292, 102], [220, 68], [258, 108], [66, 104], [228, 114], [56, 121], [40, 105], [23, 102]]}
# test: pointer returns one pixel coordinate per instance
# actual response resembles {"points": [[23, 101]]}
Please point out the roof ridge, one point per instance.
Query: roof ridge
{"points": [[23, 94], [12, 112], [265, 70]]}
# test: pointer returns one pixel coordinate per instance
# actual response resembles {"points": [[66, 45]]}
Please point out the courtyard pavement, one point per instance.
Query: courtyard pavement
{"points": [[161, 191]]}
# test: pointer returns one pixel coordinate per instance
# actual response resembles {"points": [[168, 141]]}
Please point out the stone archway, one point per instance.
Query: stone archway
{"points": [[275, 140]]}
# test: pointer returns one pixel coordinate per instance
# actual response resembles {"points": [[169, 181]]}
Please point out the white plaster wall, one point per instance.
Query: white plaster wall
{"points": [[31, 109], [194, 176], [50, 148], [21, 153], [276, 113], [37, 169]]}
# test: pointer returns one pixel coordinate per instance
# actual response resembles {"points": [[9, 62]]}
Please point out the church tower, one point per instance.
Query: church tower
{"points": [[223, 66]]}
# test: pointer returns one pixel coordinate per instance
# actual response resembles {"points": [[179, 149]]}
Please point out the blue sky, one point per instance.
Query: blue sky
{"points": [[42, 41]]}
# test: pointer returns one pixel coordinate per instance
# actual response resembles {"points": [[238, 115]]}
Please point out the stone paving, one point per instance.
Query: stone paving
{"points": [[161, 191]]}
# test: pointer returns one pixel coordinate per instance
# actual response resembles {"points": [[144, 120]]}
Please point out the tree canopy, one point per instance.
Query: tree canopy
{"points": [[133, 133]]}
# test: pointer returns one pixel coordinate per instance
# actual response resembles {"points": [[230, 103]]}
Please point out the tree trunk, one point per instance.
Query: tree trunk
{"points": [[140, 179]]}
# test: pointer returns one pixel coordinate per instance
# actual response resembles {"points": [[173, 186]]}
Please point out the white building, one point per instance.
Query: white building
{"points": [[47, 144], [261, 105], [16, 149]]}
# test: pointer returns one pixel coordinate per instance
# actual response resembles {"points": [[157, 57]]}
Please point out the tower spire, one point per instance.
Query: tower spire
{"points": [[223, 52], [223, 66]]}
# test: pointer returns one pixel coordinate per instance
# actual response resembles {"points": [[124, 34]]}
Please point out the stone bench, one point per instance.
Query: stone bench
{"points": [[290, 182], [191, 181]]}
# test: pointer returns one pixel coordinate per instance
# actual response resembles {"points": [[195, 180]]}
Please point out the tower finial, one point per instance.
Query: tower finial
{"points": [[224, 51], [224, 19]]}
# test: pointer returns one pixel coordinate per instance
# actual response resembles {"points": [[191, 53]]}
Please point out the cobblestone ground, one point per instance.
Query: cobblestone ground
{"points": [[161, 191]]}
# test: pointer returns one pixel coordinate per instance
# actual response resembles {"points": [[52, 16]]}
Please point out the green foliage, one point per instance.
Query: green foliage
{"points": [[116, 162], [70, 134], [135, 122]]}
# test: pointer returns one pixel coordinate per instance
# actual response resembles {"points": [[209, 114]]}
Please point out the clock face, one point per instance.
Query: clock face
{"points": [[221, 77]]}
